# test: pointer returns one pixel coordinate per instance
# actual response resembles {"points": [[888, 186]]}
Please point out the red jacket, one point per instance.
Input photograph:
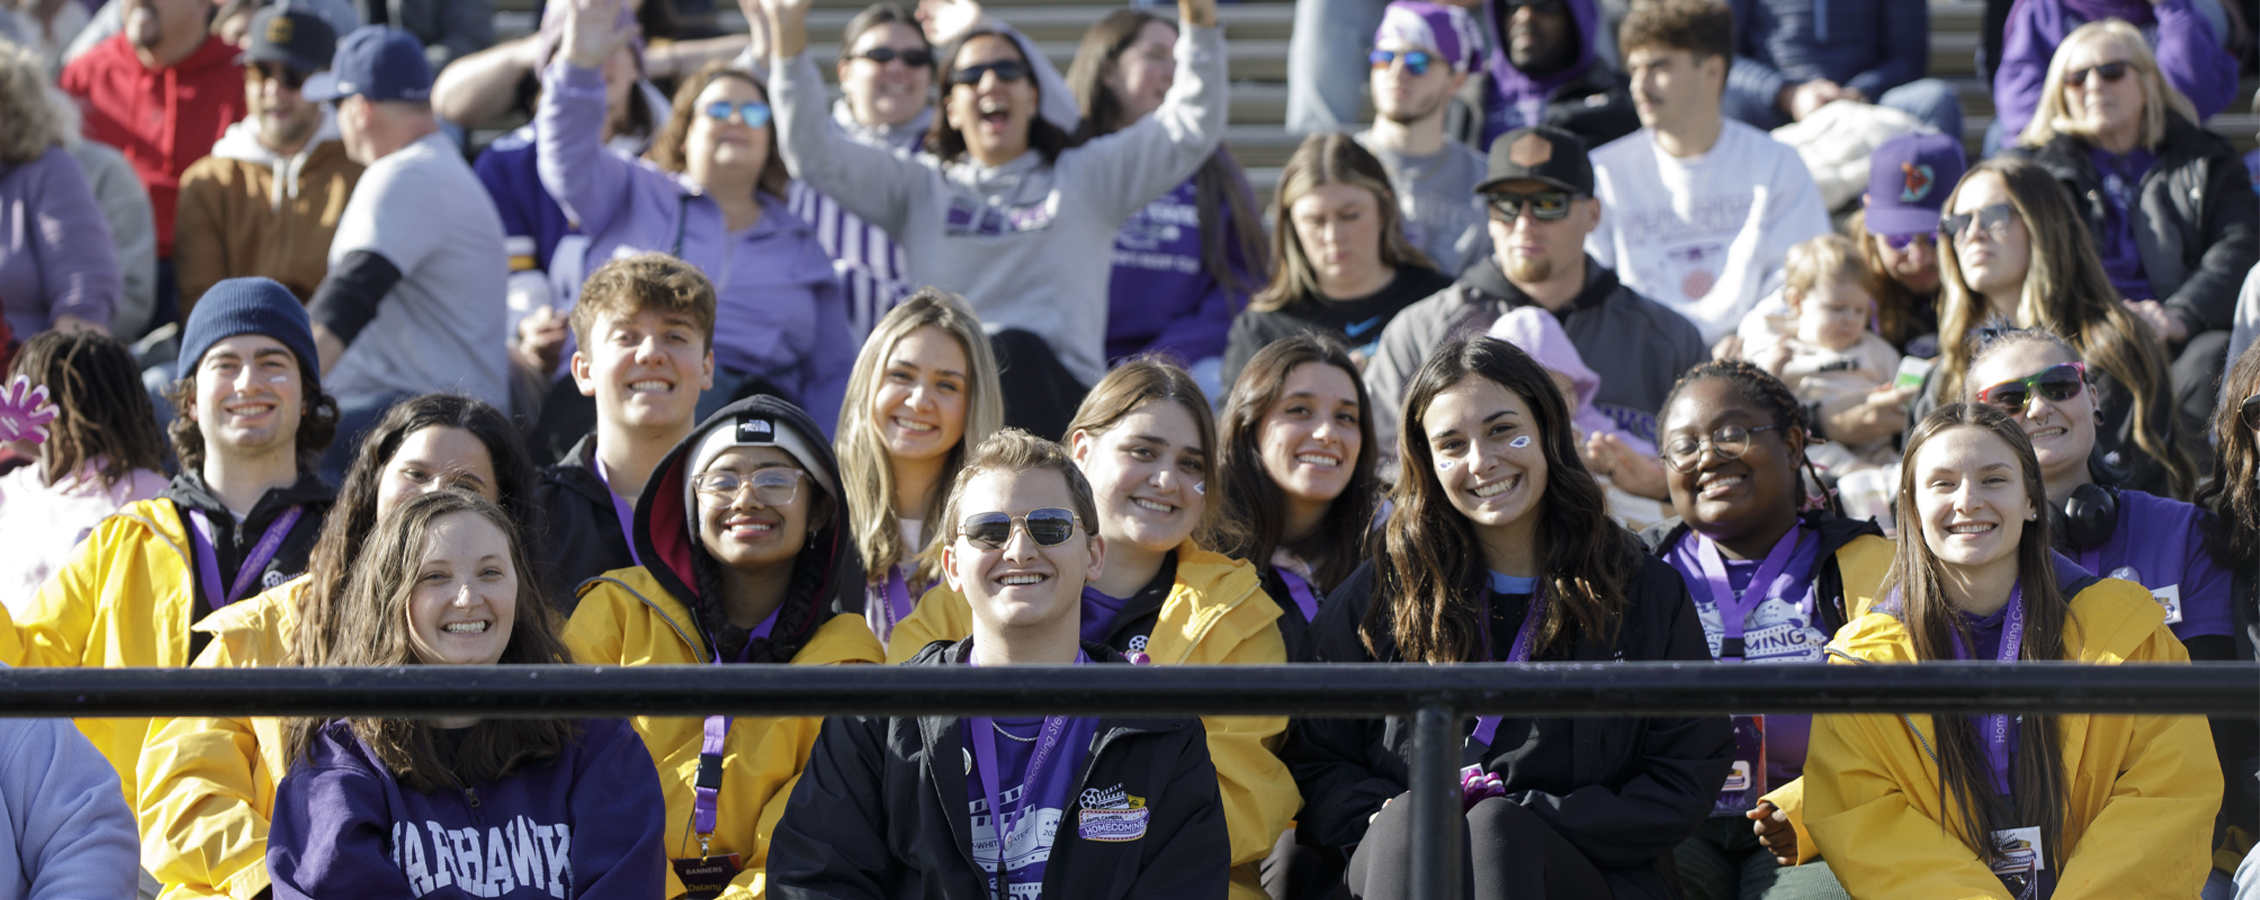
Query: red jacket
{"points": [[162, 119]]}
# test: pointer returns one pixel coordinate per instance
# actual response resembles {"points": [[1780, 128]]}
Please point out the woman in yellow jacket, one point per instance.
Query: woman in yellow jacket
{"points": [[2058, 807], [748, 558], [207, 785], [1146, 441]]}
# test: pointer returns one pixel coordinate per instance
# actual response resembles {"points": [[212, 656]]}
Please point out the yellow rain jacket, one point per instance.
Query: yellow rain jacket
{"points": [[626, 619], [2141, 792], [208, 784], [1218, 614]]}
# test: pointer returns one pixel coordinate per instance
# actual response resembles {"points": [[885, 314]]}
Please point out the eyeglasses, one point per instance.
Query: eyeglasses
{"points": [[2111, 72], [914, 57], [269, 71], [1994, 220], [2055, 384], [771, 487], [1007, 70], [1900, 242], [1416, 61], [1729, 442], [1048, 527], [2250, 413], [1545, 206], [753, 113]]}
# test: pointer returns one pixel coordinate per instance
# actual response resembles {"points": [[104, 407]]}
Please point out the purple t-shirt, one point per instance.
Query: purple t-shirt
{"points": [[1161, 296], [1099, 610], [1033, 832], [2122, 181], [2160, 544]]}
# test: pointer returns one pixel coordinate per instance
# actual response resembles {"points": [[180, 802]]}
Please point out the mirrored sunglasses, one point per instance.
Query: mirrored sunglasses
{"points": [[753, 113], [1048, 527]]}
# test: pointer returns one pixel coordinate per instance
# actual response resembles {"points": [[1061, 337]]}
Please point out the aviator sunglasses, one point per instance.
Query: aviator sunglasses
{"points": [[1048, 527], [1416, 61], [1993, 220], [2054, 384]]}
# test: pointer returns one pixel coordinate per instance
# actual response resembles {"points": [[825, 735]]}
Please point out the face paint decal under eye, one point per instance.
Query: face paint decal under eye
{"points": [[1520, 442], [1201, 488]]}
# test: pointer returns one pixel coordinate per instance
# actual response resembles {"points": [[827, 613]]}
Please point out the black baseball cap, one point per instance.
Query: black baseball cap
{"points": [[292, 36], [1540, 153]]}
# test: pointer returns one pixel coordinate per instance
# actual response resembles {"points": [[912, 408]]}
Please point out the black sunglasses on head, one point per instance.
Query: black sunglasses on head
{"points": [[914, 57], [1007, 70]]}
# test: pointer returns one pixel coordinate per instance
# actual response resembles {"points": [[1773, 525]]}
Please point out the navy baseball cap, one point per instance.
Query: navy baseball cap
{"points": [[378, 62], [291, 36], [1909, 177]]}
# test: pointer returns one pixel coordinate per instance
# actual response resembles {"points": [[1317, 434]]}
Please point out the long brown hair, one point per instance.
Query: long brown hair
{"points": [[1934, 625], [1145, 379], [1220, 190], [1323, 159], [1429, 579], [1251, 500], [103, 413], [2234, 493], [669, 149], [373, 630], [2067, 292]]}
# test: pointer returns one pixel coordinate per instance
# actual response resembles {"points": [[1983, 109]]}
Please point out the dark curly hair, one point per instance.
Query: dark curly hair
{"points": [[102, 411], [317, 424]]}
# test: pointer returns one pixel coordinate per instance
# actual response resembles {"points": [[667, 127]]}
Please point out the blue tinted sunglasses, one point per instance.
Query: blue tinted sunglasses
{"points": [[1416, 61], [753, 113]]}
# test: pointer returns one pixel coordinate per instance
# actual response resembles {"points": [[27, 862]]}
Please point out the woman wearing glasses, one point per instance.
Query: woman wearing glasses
{"points": [[1340, 263], [1774, 575], [749, 557], [1000, 209], [2168, 202], [2063, 806], [2012, 251], [2234, 499], [1499, 549], [712, 194]]}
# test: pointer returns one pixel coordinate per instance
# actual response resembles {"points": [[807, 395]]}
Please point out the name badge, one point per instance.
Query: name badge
{"points": [[706, 877], [1113, 826], [2170, 597], [2022, 860], [1746, 782]]}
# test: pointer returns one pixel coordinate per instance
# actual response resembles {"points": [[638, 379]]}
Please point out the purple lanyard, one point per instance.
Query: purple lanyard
{"points": [[706, 789], [1300, 590], [898, 604], [1735, 610], [622, 508], [984, 730], [247, 574], [1487, 727], [1995, 728]]}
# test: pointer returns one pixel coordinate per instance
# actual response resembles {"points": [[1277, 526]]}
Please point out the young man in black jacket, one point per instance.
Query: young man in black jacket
{"points": [[907, 807]]}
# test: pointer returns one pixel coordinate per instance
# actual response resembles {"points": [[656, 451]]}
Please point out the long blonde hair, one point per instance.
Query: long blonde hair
{"points": [[2159, 97], [867, 470], [1324, 159]]}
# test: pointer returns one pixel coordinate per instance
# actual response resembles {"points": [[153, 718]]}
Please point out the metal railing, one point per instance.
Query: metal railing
{"points": [[1438, 698]]}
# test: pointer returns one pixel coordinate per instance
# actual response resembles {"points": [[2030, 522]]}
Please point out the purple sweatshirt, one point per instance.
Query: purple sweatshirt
{"points": [[2188, 51], [587, 824], [56, 257], [1161, 297], [779, 311], [1517, 98], [2159, 543]]}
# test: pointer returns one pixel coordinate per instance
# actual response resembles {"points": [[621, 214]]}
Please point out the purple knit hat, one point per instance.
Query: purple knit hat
{"points": [[1448, 30]]}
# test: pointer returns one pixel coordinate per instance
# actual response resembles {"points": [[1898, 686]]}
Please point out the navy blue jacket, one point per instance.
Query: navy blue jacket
{"points": [[1873, 45]]}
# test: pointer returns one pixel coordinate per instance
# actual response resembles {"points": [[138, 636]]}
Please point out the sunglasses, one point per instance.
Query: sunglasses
{"points": [[1994, 220], [771, 487], [2112, 72], [1545, 206], [267, 71], [2249, 413], [1729, 442], [1900, 242], [1048, 527], [2054, 384], [1007, 70], [753, 113], [914, 57], [1416, 61]]}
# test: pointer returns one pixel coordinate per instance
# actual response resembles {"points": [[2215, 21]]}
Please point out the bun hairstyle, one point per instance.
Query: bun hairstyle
{"points": [[1430, 578], [1251, 501]]}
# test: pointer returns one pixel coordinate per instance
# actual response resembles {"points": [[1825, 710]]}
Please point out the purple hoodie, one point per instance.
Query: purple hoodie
{"points": [[779, 311], [587, 824], [56, 257], [1517, 99], [1161, 297], [2188, 52]]}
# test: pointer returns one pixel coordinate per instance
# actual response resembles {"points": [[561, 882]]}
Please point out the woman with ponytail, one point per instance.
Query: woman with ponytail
{"points": [[1500, 550], [2045, 806]]}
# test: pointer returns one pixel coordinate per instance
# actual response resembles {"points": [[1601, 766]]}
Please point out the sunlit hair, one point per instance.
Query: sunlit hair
{"points": [[1703, 28], [372, 629], [1323, 159], [1896, 307], [671, 149], [1821, 260], [1934, 624], [867, 472], [102, 412], [1430, 577], [2159, 97], [32, 126], [1145, 379], [945, 141], [2234, 493], [1017, 452], [653, 282], [1253, 508], [2067, 292], [1220, 190]]}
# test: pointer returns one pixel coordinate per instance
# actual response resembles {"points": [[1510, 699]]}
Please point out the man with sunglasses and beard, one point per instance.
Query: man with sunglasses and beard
{"points": [[265, 202], [1539, 193], [1088, 806]]}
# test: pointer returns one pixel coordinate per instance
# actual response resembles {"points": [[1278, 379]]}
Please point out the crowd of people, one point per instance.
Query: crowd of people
{"points": [[1560, 357]]}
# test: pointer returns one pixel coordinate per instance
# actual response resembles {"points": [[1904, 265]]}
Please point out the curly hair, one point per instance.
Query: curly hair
{"points": [[317, 424], [103, 413], [33, 125]]}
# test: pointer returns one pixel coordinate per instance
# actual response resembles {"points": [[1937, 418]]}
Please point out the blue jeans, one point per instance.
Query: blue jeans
{"points": [[1931, 100], [1326, 71]]}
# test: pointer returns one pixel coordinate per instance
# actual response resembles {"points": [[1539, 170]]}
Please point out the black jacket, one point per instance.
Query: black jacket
{"points": [[1637, 788], [2194, 219], [1828, 587], [881, 812], [583, 538], [232, 543]]}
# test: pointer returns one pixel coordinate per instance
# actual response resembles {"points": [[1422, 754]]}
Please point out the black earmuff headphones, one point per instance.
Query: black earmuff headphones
{"points": [[2091, 513]]}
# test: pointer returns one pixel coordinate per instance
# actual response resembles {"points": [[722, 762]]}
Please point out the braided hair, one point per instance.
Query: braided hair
{"points": [[1768, 393], [103, 413], [798, 615]]}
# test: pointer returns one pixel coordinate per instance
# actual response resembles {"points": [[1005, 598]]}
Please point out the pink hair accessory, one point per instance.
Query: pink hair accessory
{"points": [[1478, 786], [24, 411]]}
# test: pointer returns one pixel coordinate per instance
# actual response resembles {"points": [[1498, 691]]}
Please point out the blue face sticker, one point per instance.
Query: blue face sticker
{"points": [[1519, 442]]}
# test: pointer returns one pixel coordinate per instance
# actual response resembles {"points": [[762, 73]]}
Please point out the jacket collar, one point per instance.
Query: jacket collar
{"points": [[1218, 602], [576, 472], [188, 491]]}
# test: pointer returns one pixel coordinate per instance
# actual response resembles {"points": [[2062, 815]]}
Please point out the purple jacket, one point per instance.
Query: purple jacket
{"points": [[587, 824], [2188, 51], [56, 257], [1161, 298], [779, 312]]}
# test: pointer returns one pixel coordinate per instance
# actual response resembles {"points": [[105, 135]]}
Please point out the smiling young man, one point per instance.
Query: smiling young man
{"points": [[241, 516], [644, 329], [1092, 807]]}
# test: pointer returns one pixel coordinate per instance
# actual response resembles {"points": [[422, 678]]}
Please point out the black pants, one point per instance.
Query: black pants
{"points": [[1040, 395], [1508, 854]]}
